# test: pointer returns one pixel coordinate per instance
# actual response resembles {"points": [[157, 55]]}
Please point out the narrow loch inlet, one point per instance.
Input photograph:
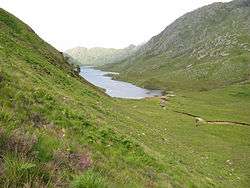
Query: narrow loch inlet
{"points": [[114, 88]]}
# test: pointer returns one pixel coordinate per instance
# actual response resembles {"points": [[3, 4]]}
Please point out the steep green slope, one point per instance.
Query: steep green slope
{"points": [[57, 130], [100, 56], [204, 49], [53, 124]]}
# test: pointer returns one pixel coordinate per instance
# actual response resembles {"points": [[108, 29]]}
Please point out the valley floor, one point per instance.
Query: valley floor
{"points": [[206, 155]]}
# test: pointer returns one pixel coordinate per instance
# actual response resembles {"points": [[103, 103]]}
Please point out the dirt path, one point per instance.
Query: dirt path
{"points": [[227, 123], [200, 120]]}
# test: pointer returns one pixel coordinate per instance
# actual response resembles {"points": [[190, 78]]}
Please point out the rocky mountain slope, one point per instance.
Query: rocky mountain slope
{"points": [[206, 48], [100, 56]]}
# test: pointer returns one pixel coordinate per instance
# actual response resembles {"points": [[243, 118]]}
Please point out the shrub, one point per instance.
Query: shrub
{"points": [[75, 161], [20, 142], [16, 142]]}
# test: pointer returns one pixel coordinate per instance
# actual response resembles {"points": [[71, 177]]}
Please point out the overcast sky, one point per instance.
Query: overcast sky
{"points": [[104, 23]]}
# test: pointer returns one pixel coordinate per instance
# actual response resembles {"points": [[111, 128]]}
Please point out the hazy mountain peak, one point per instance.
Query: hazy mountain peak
{"points": [[100, 55]]}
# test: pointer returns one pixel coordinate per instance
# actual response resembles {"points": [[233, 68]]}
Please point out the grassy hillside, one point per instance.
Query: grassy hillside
{"points": [[204, 49], [100, 56], [54, 125], [57, 130]]}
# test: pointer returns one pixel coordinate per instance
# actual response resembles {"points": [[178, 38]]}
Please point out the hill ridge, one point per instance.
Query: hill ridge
{"points": [[200, 47]]}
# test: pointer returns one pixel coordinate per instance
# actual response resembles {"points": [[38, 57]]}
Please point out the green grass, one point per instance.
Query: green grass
{"points": [[58, 130], [19, 172], [196, 156], [161, 72], [89, 180], [42, 96]]}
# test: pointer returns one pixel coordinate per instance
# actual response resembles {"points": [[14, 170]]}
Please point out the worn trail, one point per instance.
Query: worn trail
{"points": [[212, 122]]}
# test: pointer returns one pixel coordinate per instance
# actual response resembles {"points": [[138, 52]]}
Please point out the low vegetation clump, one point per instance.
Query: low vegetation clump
{"points": [[90, 180]]}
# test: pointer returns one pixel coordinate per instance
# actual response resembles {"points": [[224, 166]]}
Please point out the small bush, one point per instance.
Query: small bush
{"points": [[75, 161], [80, 161], [18, 142]]}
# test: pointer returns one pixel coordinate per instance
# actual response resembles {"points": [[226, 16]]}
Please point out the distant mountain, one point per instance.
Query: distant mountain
{"points": [[100, 56], [206, 48]]}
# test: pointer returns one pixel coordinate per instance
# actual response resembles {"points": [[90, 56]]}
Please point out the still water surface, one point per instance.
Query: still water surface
{"points": [[115, 88]]}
